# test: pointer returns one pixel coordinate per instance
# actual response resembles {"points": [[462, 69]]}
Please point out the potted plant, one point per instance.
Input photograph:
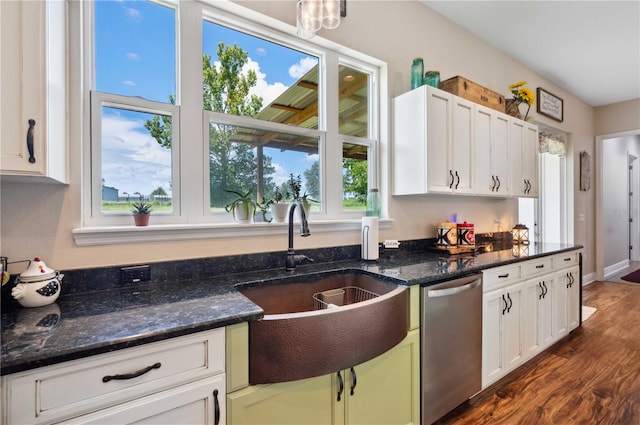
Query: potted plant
{"points": [[278, 207], [141, 211], [242, 208]]}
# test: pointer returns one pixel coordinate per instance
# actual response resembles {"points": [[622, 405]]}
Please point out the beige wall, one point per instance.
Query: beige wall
{"points": [[38, 219], [617, 118]]}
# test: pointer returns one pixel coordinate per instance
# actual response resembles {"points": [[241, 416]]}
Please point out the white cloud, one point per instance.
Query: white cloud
{"points": [[299, 69], [261, 51], [129, 83], [132, 160], [132, 56], [132, 13]]}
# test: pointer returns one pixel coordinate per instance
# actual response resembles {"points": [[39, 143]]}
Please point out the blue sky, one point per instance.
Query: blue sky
{"points": [[136, 39]]}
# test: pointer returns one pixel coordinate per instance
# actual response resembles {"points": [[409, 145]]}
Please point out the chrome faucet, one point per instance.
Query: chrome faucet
{"points": [[292, 258]]}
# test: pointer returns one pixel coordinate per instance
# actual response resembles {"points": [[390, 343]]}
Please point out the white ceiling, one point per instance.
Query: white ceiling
{"points": [[589, 48]]}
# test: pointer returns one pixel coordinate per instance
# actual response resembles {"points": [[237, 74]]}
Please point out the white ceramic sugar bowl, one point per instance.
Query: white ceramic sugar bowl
{"points": [[38, 285]]}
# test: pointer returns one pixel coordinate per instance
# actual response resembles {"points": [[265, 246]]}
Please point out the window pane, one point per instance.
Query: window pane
{"points": [[135, 49], [245, 159], [354, 102], [355, 177], [135, 166], [249, 76]]}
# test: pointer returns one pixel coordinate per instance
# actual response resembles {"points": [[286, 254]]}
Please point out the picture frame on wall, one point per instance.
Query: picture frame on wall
{"points": [[550, 105]]}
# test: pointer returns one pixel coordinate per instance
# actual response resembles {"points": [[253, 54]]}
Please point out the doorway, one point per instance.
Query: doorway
{"points": [[625, 143]]}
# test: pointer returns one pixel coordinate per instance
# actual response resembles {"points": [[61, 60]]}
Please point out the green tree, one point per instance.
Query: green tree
{"points": [[355, 178], [312, 180], [225, 89], [159, 192]]}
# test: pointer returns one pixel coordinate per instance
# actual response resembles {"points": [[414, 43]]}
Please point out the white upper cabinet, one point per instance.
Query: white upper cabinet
{"points": [[524, 159], [433, 143], [443, 143], [33, 118], [491, 152]]}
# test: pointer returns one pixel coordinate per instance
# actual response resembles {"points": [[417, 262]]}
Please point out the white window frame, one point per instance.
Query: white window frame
{"points": [[192, 218], [137, 104]]}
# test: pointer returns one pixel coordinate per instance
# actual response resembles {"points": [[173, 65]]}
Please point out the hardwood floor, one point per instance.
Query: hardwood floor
{"points": [[633, 265], [590, 377]]}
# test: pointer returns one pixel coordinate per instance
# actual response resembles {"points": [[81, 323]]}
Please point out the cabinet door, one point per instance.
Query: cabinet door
{"points": [[560, 304], [461, 148], [500, 153], [573, 298], [545, 310], [485, 179], [493, 305], [532, 294], [440, 177], [524, 159], [307, 401], [33, 87], [512, 344], [491, 153], [530, 158], [201, 402], [386, 390], [22, 60]]}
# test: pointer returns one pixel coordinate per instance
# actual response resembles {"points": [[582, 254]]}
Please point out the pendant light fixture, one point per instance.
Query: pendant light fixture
{"points": [[312, 15]]}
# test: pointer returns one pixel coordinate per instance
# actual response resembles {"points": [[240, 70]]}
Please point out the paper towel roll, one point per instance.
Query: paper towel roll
{"points": [[369, 233]]}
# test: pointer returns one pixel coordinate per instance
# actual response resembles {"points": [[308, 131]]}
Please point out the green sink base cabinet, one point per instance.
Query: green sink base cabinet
{"points": [[387, 391]]}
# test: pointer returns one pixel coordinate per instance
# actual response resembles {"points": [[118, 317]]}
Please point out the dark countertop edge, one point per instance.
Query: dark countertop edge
{"points": [[74, 353], [134, 341]]}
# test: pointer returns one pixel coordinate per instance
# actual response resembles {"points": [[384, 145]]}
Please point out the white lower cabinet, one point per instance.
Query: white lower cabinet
{"points": [[194, 403], [527, 307], [152, 383], [501, 339], [538, 325]]}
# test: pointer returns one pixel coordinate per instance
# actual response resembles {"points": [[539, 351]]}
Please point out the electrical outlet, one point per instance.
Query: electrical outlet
{"points": [[391, 244], [135, 274]]}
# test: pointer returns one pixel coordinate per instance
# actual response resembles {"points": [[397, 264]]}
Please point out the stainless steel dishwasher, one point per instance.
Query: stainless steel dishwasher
{"points": [[451, 343]]}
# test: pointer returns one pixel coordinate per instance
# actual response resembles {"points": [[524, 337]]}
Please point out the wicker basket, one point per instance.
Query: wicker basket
{"points": [[341, 296]]}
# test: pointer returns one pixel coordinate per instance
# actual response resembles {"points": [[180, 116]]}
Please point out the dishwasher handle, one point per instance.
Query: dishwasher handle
{"points": [[435, 293]]}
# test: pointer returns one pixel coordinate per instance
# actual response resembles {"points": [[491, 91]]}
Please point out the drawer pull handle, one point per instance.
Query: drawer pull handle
{"points": [[567, 259], [498, 179], [503, 276], [216, 408], [32, 124], [132, 374], [540, 266], [510, 303], [504, 300]]}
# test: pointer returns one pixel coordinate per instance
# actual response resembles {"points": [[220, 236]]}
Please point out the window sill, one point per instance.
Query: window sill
{"points": [[89, 236]]}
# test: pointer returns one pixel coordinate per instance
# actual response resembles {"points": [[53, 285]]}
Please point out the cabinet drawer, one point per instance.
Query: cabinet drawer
{"points": [[497, 277], [80, 386], [537, 267], [566, 259]]}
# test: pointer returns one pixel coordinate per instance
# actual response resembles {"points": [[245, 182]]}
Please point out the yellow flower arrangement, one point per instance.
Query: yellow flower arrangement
{"points": [[522, 94]]}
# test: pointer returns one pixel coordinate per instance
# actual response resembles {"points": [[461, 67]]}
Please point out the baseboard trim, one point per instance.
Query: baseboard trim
{"points": [[615, 268], [589, 278]]}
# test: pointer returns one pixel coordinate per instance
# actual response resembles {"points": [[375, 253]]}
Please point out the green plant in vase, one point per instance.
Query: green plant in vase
{"points": [[141, 213], [242, 208]]}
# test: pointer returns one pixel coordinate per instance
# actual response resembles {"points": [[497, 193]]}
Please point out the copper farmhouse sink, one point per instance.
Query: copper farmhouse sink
{"points": [[322, 323]]}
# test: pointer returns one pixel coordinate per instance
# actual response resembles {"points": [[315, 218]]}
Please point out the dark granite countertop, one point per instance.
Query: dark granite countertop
{"points": [[81, 324]]}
